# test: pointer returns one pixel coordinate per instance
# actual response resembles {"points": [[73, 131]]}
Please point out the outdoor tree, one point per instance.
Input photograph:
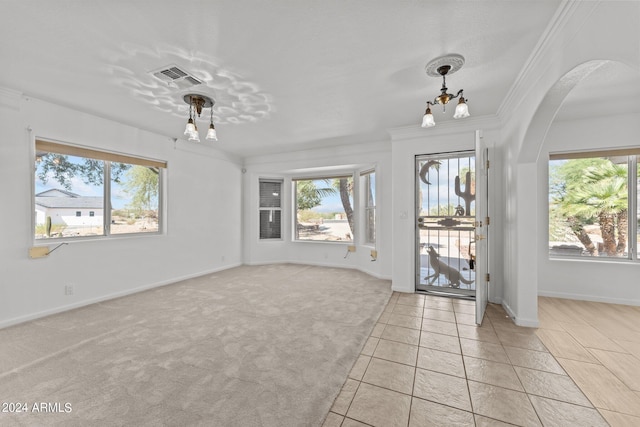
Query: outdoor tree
{"points": [[63, 168], [309, 195], [142, 184], [592, 191]]}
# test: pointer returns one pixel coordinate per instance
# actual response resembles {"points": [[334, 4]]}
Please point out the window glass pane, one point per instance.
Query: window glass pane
{"points": [[370, 207], [324, 209], [134, 198], [588, 207], [66, 188], [270, 194], [270, 224]]}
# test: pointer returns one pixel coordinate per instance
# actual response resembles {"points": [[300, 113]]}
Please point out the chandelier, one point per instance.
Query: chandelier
{"points": [[442, 66], [196, 103]]}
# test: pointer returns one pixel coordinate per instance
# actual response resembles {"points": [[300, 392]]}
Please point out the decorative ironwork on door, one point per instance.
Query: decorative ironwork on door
{"points": [[445, 229]]}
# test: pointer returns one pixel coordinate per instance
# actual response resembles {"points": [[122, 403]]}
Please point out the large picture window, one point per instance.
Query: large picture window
{"points": [[593, 204], [270, 209], [324, 208], [82, 192], [368, 180]]}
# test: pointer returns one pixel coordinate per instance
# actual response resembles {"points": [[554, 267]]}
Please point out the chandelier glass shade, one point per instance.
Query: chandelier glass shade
{"points": [[439, 67], [196, 103]]}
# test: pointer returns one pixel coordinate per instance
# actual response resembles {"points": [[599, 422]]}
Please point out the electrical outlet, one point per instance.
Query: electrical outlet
{"points": [[351, 248], [68, 290], [222, 258]]}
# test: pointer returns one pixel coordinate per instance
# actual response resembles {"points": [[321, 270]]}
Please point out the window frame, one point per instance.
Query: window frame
{"points": [[294, 195], [64, 148], [633, 233], [270, 208]]}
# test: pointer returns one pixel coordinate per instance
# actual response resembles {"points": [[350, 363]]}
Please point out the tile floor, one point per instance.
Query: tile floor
{"points": [[426, 363]]}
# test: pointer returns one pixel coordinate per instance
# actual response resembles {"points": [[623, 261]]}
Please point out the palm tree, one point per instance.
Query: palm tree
{"points": [[595, 190]]}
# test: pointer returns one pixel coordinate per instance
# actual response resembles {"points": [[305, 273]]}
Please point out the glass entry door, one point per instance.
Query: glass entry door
{"points": [[445, 230]]}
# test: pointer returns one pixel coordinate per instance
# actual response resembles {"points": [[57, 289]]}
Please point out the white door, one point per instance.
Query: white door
{"points": [[482, 227]]}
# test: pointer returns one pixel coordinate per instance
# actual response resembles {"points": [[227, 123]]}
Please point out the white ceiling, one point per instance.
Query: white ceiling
{"points": [[285, 74]]}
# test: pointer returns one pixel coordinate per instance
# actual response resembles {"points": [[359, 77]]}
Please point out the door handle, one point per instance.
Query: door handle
{"points": [[480, 237]]}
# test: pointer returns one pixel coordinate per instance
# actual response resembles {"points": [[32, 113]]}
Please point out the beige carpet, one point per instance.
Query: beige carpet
{"points": [[250, 346]]}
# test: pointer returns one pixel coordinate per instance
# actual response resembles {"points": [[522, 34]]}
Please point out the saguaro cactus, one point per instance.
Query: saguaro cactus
{"points": [[469, 193], [47, 226]]}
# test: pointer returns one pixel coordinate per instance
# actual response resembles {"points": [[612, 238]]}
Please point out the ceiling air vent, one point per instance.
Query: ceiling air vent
{"points": [[176, 77]]}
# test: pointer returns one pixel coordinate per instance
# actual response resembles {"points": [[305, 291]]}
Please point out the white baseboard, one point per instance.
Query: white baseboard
{"points": [[594, 298], [520, 321], [323, 264], [67, 307]]}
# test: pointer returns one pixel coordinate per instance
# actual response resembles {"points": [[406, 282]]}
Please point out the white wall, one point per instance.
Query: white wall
{"points": [[586, 279], [406, 144], [314, 162], [202, 184], [568, 51]]}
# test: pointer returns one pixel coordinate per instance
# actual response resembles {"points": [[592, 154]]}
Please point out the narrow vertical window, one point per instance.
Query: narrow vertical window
{"points": [[368, 180], [270, 209]]}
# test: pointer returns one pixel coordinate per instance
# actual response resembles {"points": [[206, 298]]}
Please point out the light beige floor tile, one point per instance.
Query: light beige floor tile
{"points": [[397, 352], [333, 420], [630, 347], [483, 350], [359, 367], [624, 366], [348, 422], [540, 360], [443, 315], [440, 361], [391, 375], [442, 388], [502, 404], [560, 414], [377, 330], [438, 305], [588, 336], [342, 402], [553, 386], [380, 407], [384, 317], [464, 309], [405, 321], [489, 422], [439, 327], [400, 334], [494, 373], [603, 389], [430, 414], [521, 340], [440, 342], [616, 419], [413, 300], [562, 344], [370, 346], [466, 319], [407, 310], [478, 333]]}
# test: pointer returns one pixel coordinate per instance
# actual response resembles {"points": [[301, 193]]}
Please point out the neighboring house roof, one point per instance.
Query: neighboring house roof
{"points": [[62, 199], [57, 192]]}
